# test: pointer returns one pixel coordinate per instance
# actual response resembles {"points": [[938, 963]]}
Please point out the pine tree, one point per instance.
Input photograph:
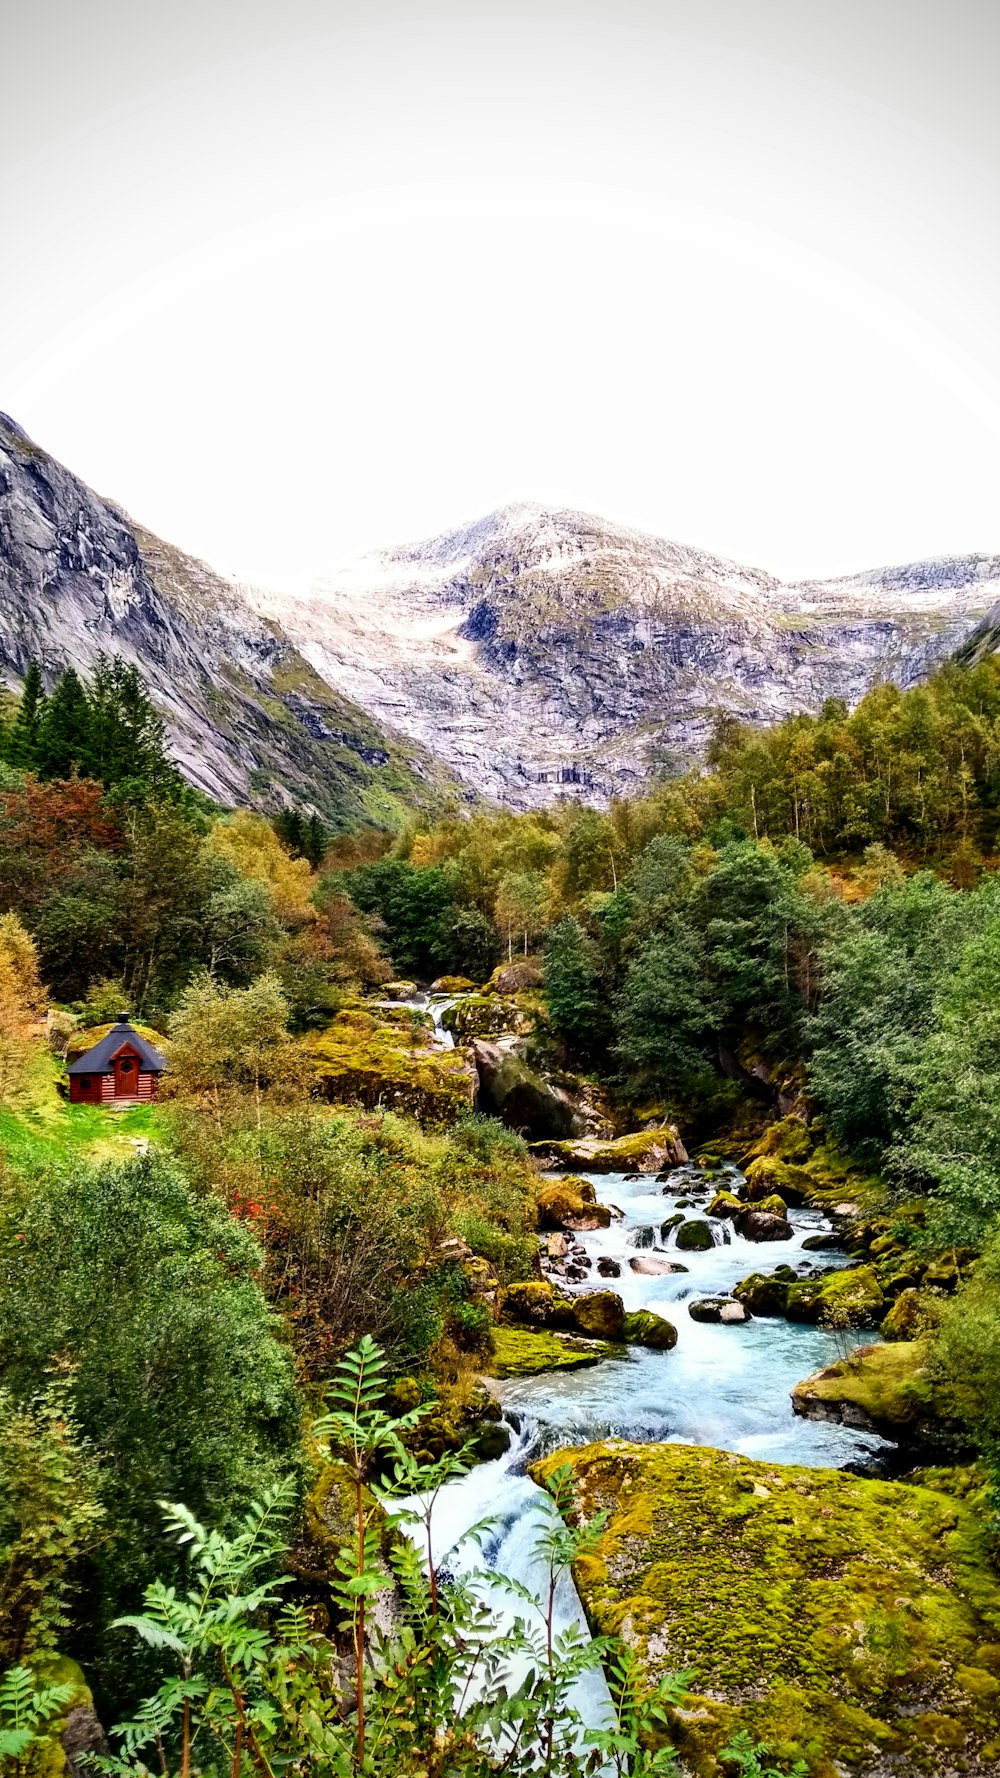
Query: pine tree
{"points": [[314, 841], [23, 743], [127, 737], [64, 731]]}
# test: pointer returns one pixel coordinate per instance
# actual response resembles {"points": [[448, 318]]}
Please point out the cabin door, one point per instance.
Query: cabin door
{"points": [[126, 1077]]}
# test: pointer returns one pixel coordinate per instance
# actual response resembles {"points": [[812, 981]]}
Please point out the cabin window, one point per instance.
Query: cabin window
{"points": [[126, 1067]]}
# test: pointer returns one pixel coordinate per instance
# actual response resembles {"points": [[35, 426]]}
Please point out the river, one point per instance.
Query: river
{"points": [[727, 1386]]}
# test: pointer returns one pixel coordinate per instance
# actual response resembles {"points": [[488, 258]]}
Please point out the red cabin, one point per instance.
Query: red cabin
{"points": [[122, 1069]]}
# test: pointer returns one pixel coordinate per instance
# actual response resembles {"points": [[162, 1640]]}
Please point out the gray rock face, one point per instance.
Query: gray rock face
{"points": [[248, 720], [541, 652]]}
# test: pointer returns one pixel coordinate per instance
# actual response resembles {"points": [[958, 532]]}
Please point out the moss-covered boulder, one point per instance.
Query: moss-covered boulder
{"points": [[694, 1236], [763, 1225], [769, 1177], [529, 1352], [765, 1293], [643, 1327], [363, 1059], [487, 1015], [772, 1206], [401, 990], [646, 1151], [520, 1096], [852, 1624], [571, 1204], [515, 978], [849, 1298], [453, 984], [726, 1205], [889, 1389], [598, 1314], [912, 1314]]}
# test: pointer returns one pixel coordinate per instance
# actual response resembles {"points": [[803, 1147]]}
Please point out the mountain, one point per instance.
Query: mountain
{"points": [[534, 653], [540, 649], [249, 720]]}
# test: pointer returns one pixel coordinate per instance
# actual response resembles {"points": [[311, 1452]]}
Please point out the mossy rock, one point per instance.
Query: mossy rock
{"points": [[76, 1732], [597, 1314], [453, 984], [788, 1139], [726, 1205], [849, 1298], [486, 1015], [852, 1624], [401, 990], [694, 1236], [530, 1352], [645, 1151], [769, 1177], [765, 1293], [772, 1206], [515, 978], [888, 1389], [375, 1062], [643, 1327], [912, 1314], [571, 1204]]}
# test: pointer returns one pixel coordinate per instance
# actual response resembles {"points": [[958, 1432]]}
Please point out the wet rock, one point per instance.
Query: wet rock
{"points": [[557, 1246], [645, 1328], [768, 1176], [758, 1225], [453, 984], [765, 1294], [822, 1243], [398, 991], [645, 1151], [608, 1268], [849, 1298], [600, 1314], [515, 978], [570, 1204], [650, 1265], [644, 1237], [726, 1204], [719, 1309], [886, 1389], [694, 1236], [672, 1222]]}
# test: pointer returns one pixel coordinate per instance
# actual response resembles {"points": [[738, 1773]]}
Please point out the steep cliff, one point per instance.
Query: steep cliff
{"points": [[539, 649], [249, 720]]}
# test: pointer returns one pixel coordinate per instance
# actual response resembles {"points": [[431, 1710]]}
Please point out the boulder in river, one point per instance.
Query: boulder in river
{"points": [[571, 1204], [694, 1236], [653, 1265], [453, 984], [826, 1242], [643, 1327], [765, 1293], [719, 1309], [727, 1205], [852, 1297], [608, 1267], [645, 1151], [886, 1389], [644, 1237], [768, 1174], [758, 1225], [598, 1313], [762, 1577]]}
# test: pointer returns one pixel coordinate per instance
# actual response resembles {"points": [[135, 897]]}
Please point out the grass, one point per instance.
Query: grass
{"points": [[39, 1128]]}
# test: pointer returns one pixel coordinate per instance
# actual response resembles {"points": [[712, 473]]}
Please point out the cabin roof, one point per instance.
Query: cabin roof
{"points": [[98, 1060]]}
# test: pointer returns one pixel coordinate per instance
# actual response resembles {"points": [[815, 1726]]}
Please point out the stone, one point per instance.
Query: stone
{"points": [[645, 1151], [822, 1243], [600, 1314], [887, 1389], [724, 1309], [644, 1237], [515, 978], [764, 1578], [520, 1096], [529, 1352], [694, 1236], [563, 1205], [726, 1204], [763, 1295], [758, 1225], [643, 1327], [382, 1063], [453, 984], [608, 1267], [910, 1316], [650, 1265], [400, 990], [772, 1206], [852, 1297]]}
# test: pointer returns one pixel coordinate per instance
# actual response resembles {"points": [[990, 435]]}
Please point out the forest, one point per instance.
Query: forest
{"points": [[244, 1330]]}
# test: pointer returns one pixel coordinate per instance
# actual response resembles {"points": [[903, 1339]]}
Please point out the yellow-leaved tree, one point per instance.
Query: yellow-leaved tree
{"points": [[251, 845], [22, 1002]]}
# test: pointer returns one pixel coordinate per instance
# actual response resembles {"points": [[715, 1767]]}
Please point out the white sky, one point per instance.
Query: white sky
{"points": [[292, 280]]}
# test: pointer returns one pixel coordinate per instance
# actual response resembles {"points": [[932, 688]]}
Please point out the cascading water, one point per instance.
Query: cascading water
{"points": [[726, 1386]]}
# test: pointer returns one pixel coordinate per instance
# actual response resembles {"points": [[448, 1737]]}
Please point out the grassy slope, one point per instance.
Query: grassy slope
{"points": [[39, 1128]]}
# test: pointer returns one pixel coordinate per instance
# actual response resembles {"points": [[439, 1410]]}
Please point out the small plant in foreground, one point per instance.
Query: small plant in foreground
{"points": [[428, 1687]]}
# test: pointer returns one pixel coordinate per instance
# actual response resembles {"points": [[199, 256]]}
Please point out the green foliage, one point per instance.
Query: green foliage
{"points": [[412, 905], [50, 1516], [108, 731], [748, 1756], [576, 1000], [255, 1687], [178, 1382], [27, 1711]]}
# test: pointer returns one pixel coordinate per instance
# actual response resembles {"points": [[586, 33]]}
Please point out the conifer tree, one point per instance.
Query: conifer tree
{"points": [[64, 731], [23, 743]]}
